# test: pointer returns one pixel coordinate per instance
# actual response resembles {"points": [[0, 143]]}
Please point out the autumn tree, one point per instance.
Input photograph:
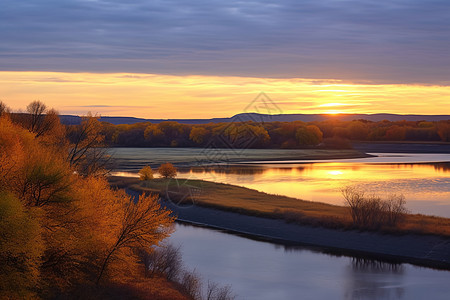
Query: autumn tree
{"points": [[59, 229], [21, 249], [358, 130], [167, 170], [395, 133], [443, 129], [241, 135], [87, 152], [153, 133], [131, 135], [309, 135], [36, 111], [46, 178], [42, 122], [13, 143], [198, 134], [144, 223], [146, 173]]}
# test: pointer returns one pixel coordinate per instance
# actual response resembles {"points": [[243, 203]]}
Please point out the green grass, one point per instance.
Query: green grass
{"points": [[251, 202]]}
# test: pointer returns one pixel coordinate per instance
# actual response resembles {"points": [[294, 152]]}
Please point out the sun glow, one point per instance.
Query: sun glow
{"points": [[333, 112], [335, 173], [332, 104], [196, 96]]}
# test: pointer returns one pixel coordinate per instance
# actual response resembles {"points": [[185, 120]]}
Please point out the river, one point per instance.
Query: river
{"points": [[260, 270], [424, 179]]}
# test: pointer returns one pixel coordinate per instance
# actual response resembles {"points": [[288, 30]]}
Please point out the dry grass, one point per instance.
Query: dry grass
{"points": [[251, 202]]}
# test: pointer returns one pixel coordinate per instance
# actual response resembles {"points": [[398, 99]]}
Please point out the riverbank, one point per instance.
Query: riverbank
{"points": [[133, 159], [253, 214], [427, 251], [402, 147]]}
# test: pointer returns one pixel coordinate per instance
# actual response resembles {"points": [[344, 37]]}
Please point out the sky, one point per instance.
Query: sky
{"points": [[208, 58]]}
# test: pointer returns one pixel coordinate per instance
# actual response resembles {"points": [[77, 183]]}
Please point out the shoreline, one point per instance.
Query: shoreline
{"points": [[421, 250], [327, 250], [201, 157]]}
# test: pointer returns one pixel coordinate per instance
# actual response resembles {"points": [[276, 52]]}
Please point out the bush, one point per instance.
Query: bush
{"points": [[167, 170], [192, 284], [146, 173], [164, 261], [216, 292], [372, 212]]}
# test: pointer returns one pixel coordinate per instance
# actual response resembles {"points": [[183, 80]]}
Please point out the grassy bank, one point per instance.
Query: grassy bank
{"points": [[251, 202]]}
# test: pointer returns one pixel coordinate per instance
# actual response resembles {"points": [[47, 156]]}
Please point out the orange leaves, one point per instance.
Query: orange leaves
{"points": [[46, 178], [167, 170], [83, 228], [113, 224], [146, 173], [444, 130], [12, 153], [309, 135], [153, 132], [21, 249], [143, 224], [86, 140], [198, 134]]}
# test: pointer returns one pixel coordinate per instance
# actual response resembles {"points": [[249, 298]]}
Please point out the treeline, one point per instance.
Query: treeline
{"points": [[297, 134], [64, 232]]}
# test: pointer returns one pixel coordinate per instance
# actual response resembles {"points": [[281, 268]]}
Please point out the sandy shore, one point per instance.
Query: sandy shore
{"points": [[430, 251]]}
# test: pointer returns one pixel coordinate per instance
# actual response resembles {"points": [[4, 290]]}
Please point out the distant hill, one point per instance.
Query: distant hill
{"points": [[73, 120]]}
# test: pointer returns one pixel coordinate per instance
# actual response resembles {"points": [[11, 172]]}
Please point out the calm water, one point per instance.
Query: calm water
{"points": [[258, 270], [424, 179]]}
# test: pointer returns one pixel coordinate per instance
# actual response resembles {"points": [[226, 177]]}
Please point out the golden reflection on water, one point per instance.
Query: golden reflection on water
{"points": [[322, 181]]}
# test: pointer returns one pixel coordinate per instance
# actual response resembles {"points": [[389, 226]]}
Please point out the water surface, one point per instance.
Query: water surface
{"points": [[424, 179], [259, 270]]}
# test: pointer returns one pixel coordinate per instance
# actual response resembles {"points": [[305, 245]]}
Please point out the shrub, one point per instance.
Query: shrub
{"points": [[216, 292], [146, 173], [372, 212], [167, 170], [163, 260], [166, 260], [192, 284]]}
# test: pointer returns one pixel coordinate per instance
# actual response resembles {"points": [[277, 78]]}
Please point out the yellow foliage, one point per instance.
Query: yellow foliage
{"points": [[21, 249], [198, 134], [61, 226], [146, 173]]}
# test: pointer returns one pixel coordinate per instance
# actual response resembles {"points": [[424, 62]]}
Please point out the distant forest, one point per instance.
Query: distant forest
{"points": [[287, 135]]}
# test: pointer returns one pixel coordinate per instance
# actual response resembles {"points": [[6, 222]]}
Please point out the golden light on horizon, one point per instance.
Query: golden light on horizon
{"points": [[335, 172], [332, 104], [333, 112], [195, 96]]}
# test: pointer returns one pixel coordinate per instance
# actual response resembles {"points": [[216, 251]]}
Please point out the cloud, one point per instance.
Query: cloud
{"points": [[400, 41]]}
